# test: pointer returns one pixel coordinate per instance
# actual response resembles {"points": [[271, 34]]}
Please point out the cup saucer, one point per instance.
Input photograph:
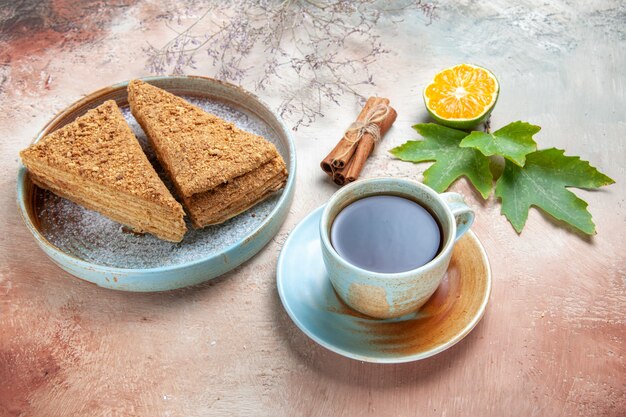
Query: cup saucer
{"points": [[310, 300]]}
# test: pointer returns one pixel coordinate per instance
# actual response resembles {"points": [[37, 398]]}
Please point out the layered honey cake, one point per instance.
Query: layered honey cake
{"points": [[218, 169], [97, 162]]}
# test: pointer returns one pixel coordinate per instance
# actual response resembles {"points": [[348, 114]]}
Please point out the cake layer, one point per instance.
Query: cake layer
{"points": [[238, 207], [140, 215], [96, 161], [198, 150], [237, 196], [101, 147]]}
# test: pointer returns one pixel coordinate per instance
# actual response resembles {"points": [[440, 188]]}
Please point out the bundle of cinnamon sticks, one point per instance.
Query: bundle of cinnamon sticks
{"points": [[345, 162]]}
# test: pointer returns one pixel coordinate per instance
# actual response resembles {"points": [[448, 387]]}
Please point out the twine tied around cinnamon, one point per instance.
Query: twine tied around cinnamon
{"points": [[369, 125]]}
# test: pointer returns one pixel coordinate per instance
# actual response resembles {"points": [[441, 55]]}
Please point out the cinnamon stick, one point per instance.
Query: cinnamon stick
{"points": [[327, 162], [343, 151], [364, 148], [339, 176]]}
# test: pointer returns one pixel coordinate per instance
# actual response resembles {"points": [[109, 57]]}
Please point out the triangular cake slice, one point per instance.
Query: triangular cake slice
{"points": [[218, 169], [97, 162], [198, 149]]}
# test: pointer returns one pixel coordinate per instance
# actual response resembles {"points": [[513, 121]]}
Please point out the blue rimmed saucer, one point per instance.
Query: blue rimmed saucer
{"points": [[311, 302]]}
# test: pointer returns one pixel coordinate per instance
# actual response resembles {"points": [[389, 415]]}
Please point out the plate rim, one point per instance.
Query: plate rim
{"points": [[387, 359], [285, 197]]}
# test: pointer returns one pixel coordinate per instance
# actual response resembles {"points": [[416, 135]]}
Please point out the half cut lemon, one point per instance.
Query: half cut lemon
{"points": [[461, 96]]}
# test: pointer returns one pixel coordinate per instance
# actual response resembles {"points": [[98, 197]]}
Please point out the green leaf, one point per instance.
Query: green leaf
{"points": [[441, 144], [514, 141], [541, 183]]}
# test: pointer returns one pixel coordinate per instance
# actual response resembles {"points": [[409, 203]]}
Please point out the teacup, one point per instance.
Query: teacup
{"points": [[388, 295]]}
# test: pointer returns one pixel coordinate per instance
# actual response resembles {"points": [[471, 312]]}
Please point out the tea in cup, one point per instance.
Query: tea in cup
{"points": [[387, 243]]}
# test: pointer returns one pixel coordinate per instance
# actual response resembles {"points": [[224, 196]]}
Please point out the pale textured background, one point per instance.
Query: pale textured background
{"points": [[552, 340]]}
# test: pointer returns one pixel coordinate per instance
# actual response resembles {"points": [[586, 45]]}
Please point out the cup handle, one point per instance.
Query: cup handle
{"points": [[462, 213]]}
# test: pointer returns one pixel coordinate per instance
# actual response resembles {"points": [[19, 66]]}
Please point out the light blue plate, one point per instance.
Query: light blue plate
{"points": [[311, 302], [94, 248]]}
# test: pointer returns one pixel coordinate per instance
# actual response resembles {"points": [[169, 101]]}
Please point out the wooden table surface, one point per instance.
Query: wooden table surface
{"points": [[551, 342]]}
